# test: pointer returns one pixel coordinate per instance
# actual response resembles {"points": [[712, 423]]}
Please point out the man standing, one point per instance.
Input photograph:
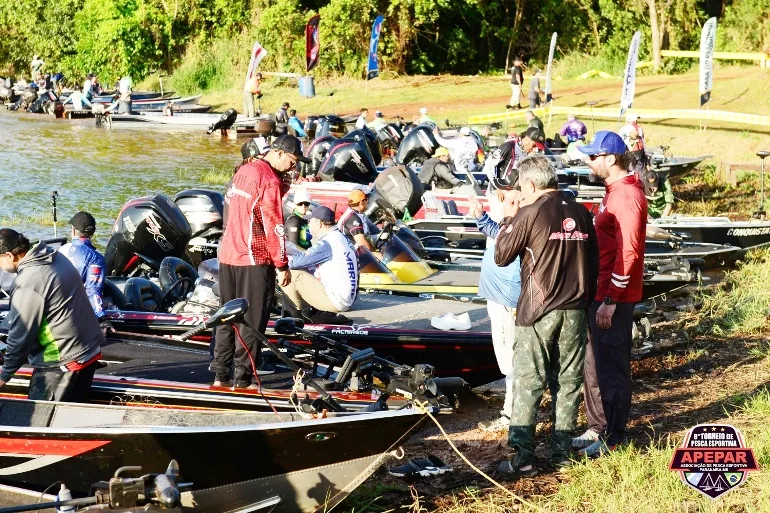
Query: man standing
{"points": [[620, 230], [500, 286], [633, 135], [88, 87], [36, 66], [252, 248], [534, 91], [361, 121], [517, 82], [353, 223], [502, 160], [379, 122], [296, 124], [125, 88], [573, 129], [282, 116], [437, 172], [555, 239], [88, 262], [464, 147], [660, 197], [50, 323], [251, 89]]}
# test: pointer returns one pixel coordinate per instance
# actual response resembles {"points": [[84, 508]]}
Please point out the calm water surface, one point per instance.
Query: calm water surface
{"points": [[95, 169]]}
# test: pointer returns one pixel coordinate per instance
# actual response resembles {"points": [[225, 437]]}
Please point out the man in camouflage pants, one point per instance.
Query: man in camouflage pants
{"points": [[555, 238]]}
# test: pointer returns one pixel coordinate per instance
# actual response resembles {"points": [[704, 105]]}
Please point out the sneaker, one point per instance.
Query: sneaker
{"points": [[497, 425], [222, 384], [596, 449], [449, 321], [586, 439], [561, 465], [506, 468], [265, 368]]}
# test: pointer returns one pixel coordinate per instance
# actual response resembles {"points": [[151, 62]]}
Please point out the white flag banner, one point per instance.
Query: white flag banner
{"points": [[629, 78], [257, 54], [707, 39], [548, 96]]}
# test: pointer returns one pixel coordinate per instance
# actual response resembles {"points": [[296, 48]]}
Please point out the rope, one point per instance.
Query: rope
{"points": [[423, 409]]}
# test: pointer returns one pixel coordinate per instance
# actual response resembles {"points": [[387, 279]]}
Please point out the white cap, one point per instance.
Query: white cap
{"points": [[262, 144], [632, 117], [34, 58], [424, 111], [301, 195], [465, 130]]}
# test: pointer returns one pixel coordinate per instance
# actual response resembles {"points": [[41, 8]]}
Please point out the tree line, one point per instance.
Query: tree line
{"points": [[117, 37]]}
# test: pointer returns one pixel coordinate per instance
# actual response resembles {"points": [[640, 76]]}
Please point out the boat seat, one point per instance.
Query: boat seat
{"points": [[143, 295], [173, 270], [450, 207], [113, 298]]}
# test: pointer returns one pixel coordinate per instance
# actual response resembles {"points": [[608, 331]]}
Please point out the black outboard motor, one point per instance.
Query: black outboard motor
{"points": [[397, 190], [348, 161], [418, 146], [44, 101], [148, 229], [330, 125], [390, 137], [316, 153], [225, 122], [204, 210], [310, 127], [368, 135]]}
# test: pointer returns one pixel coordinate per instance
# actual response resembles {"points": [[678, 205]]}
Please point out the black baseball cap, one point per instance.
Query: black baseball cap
{"points": [[323, 214], [84, 223], [290, 144], [11, 240]]}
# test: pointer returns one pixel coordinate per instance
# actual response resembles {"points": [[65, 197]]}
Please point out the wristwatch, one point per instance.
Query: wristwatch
{"points": [[608, 301]]}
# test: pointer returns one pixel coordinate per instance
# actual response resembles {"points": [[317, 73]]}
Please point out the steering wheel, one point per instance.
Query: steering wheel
{"points": [[167, 295], [385, 235]]}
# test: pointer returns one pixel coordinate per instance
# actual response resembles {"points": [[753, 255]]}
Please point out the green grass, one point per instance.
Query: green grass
{"points": [[216, 176]]}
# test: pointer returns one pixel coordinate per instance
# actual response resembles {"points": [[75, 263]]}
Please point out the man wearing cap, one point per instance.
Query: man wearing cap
{"points": [[252, 248], [660, 197], [554, 237], [361, 121], [633, 135], [282, 116], [424, 118], [620, 230], [464, 149], [296, 226], [379, 122], [251, 89], [501, 161], [89, 262], [50, 323], [437, 172], [353, 223], [517, 82], [535, 122], [326, 275]]}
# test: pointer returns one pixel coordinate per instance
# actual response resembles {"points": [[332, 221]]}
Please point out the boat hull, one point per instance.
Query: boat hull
{"points": [[742, 234]]}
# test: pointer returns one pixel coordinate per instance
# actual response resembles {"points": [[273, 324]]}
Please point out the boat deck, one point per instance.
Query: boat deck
{"points": [[409, 313]]}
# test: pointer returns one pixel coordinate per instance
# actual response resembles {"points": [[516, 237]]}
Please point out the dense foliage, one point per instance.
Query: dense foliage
{"points": [[203, 42]]}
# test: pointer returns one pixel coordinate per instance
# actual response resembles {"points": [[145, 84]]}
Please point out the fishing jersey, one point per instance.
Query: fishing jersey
{"points": [[620, 229], [556, 241], [352, 223], [90, 264], [657, 201], [297, 231], [574, 130], [333, 261], [503, 160], [253, 214]]}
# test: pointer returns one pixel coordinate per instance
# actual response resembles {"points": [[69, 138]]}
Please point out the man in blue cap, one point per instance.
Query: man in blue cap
{"points": [[620, 231]]}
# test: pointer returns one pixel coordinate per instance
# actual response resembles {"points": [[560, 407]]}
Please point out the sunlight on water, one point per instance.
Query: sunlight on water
{"points": [[95, 169]]}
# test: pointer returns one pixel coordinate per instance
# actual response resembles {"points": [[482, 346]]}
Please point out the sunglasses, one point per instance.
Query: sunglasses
{"points": [[303, 204], [594, 157]]}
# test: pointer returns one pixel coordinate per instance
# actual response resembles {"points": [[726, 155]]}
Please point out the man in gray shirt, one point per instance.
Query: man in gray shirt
{"points": [[534, 91]]}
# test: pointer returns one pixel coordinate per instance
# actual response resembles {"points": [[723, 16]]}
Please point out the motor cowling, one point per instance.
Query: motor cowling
{"points": [[397, 190], [204, 210], [330, 125], [225, 121], [147, 229], [390, 136], [417, 147], [348, 161], [6, 93], [317, 153], [367, 135]]}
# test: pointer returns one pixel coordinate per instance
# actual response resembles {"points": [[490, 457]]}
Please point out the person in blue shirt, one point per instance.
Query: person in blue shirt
{"points": [[500, 286], [296, 124], [89, 262]]}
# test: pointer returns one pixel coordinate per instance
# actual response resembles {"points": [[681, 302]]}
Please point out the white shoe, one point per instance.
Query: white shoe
{"points": [[450, 321]]}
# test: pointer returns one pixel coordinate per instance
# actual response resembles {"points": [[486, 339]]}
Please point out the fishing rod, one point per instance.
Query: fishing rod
{"points": [[54, 197]]}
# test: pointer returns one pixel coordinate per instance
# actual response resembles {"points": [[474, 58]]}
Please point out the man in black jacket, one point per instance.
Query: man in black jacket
{"points": [[555, 239], [438, 172]]}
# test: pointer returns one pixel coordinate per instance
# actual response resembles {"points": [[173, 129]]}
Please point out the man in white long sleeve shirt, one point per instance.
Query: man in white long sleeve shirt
{"points": [[463, 148]]}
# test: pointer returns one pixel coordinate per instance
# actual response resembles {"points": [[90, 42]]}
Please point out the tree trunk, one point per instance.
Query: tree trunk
{"points": [[516, 21], [655, 28]]}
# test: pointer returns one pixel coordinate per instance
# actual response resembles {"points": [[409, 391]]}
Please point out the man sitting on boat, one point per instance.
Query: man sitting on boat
{"points": [[353, 223], [51, 324], [78, 101], [660, 197], [464, 147], [296, 124], [325, 277], [437, 172]]}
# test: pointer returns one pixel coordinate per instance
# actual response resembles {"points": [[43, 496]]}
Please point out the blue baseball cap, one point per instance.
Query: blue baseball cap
{"points": [[605, 141], [323, 214]]}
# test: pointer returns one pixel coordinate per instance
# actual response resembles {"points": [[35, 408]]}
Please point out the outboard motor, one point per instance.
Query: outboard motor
{"points": [[310, 126], [148, 229], [316, 153], [396, 190], [390, 137], [204, 210], [45, 101], [225, 122], [418, 146], [6, 93], [368, 136], [330, 125], [348, 161]]}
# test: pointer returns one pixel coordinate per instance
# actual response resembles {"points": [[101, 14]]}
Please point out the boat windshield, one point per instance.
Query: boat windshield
{"points": [[396, 250], [368, 263]]}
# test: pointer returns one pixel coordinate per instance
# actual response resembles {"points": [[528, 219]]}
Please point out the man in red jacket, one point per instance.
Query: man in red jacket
{"points": [[251, 250], [620, 230]]}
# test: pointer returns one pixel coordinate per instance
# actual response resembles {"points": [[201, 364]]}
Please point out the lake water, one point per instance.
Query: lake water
{"points": [[95, 169]]}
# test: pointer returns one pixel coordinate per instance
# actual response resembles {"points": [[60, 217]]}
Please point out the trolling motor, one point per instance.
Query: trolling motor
{"points": [[153, 493]]}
